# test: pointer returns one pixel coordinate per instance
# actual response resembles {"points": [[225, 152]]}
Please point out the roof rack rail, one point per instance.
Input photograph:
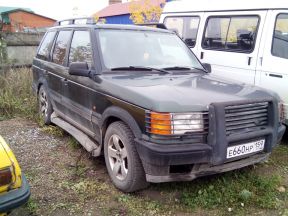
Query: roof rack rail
{"points": [[155, 25], [89, 21]]}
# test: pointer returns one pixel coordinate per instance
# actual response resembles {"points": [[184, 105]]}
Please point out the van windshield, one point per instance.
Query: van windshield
{"points": [[126, 48]]}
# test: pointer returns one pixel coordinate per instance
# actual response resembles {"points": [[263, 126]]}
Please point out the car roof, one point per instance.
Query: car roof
{"points": [[112, 26], [222, 5]]}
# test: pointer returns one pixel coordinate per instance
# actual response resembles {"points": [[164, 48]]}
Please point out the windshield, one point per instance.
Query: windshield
{"points": [[124, 48]]}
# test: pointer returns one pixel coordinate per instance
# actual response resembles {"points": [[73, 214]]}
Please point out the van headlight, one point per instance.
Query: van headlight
{"points": [[175, 123]]}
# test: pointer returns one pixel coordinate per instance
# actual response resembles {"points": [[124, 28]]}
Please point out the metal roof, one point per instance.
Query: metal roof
{"points": [[9, 9], [223, 5]]}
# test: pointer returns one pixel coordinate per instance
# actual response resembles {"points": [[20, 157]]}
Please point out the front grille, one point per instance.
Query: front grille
{"points": [[246, 117]]}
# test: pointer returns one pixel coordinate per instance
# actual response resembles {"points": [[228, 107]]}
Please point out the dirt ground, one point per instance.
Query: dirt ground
{"points": [[65, 180]]}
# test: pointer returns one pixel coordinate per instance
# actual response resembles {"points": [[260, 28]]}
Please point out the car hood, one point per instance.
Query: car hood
{"points": [[179, 93]]}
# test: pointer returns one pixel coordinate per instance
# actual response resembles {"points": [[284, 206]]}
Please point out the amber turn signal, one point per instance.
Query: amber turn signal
{"points": [[160, 123]]}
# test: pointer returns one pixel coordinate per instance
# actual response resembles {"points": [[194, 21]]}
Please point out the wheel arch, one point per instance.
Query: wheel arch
{"points": [[113, 114]]}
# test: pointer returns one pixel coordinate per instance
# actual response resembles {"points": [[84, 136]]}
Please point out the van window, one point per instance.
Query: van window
{"points": [[280, 37], [234, 34], [80, 50], [45, 48], [186, 27], [60, 47]]}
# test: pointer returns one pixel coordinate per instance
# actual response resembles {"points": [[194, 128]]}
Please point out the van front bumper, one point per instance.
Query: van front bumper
{"points": [[15, 198]]}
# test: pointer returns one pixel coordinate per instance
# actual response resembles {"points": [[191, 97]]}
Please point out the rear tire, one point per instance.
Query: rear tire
{"points": [[45, 106], [122, 160]]}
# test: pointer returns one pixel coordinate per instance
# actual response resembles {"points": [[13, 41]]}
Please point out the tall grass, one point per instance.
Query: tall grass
{"points": [[16, 96]]}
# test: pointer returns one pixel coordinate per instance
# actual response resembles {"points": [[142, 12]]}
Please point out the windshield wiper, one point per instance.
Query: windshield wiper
{"points": [[183, 68], [141, 68]]}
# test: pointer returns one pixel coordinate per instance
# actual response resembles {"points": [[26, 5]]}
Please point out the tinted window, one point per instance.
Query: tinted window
{"points": [[231, 33], [186, 27], [60, 48], [44, 50], [80, 50], [280, 37]]}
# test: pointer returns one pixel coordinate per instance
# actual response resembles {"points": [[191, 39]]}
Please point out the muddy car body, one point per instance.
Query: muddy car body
{"points": [[142, 98]]}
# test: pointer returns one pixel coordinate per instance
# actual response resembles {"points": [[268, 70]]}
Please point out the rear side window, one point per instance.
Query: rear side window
{"points": [[280, 37], [234, 34], [81, 50], [186, 27], [60, 47], [45, 48]]}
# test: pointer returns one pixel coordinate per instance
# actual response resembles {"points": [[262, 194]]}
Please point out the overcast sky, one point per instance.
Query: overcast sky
{"points": [[59, 9]]}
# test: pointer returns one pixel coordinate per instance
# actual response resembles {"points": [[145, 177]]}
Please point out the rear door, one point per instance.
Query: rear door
{"points": [[56, 70], [230, 43], [273, 59]]}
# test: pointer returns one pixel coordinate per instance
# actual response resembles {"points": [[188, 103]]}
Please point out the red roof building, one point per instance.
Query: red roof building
{"points": [[23, 20]]}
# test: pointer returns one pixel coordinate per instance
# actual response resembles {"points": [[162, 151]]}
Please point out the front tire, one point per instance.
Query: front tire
{"points": [[45, 106], [122, 160]]}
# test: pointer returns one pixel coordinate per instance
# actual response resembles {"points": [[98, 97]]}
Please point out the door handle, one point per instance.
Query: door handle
{"points": [[249, 60], [276, 75], [201, 55], [45, 72], [65, 81]]}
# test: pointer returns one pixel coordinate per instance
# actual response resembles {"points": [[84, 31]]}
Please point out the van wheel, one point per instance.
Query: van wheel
{"points": [[45, 106], [122, 160]]}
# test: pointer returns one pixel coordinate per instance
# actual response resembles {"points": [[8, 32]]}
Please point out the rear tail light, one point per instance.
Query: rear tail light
{"points": [[5, 177]]}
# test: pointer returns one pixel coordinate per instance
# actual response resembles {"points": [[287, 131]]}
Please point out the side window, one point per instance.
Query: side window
{"points": [[280, 37], [45, 48], [60, 47], [81, 50], [186, 27], [234, 34]]}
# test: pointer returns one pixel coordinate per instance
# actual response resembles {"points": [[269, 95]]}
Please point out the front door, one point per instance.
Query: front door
{"points": [[79, 96], [230, 43], [273, 59]]}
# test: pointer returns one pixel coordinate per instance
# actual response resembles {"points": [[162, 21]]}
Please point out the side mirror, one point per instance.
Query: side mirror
{"points": [[207, 67], [80, 69]]}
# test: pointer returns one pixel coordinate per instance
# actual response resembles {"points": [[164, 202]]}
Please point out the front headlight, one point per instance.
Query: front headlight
{"points": [[6, 176], [282, 114], [183, 123], [175, 123]]}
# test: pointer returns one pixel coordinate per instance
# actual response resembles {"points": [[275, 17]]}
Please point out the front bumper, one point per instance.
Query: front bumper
{"points": [[200, 159], [15, 198]]}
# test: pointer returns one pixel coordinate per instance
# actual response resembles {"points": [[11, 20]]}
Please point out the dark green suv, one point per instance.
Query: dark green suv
{"points": [[139, 96]]}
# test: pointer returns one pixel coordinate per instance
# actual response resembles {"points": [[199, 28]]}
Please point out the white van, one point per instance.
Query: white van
{"points": [[243, 40]]}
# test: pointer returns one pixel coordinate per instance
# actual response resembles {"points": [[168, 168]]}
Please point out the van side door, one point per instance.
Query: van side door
{"points": [[273, 57], [230, 43]]}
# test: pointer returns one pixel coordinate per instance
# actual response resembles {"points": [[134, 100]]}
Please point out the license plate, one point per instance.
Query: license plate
{"points": [[247, 148]]}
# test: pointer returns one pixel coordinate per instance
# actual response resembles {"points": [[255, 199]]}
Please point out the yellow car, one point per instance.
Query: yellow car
{"points": [[14, 189]]}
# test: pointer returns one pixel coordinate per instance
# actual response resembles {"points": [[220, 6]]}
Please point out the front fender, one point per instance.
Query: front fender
{"points": [[124, 116]]}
